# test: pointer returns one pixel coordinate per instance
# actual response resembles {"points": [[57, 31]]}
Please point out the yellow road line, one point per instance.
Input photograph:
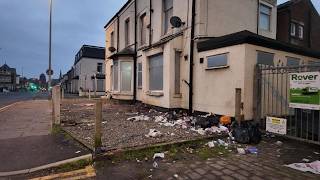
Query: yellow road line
{"points": [[87, 172]]}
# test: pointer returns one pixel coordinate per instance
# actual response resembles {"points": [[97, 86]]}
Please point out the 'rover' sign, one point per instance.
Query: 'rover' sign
{"points": [[305, 90]]}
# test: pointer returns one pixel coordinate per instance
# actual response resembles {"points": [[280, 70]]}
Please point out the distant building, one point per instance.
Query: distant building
{"points": [[299, 24], [43, 81], [8, 78], [88, 72]]}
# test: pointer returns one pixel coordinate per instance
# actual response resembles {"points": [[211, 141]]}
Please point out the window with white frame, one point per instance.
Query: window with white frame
{"points": [[264, 17], [127, 32], [300, 31], [115, 75], [293, 29], [291, 61], [216, 61], [143, 29], [156, 72], [265, 58], [167, 14], [139, 75]]}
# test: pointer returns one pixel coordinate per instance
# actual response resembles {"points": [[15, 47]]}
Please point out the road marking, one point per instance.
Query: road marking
{"points": [[85, 173], [6, 107]]}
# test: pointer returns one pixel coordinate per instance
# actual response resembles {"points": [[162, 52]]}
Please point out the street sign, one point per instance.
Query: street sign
{"points": [[305, 90], [49, 72]]}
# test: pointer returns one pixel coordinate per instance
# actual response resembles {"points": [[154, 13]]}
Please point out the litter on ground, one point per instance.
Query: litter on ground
{"points": [[158, 155], [154, 133], [313, 167]]}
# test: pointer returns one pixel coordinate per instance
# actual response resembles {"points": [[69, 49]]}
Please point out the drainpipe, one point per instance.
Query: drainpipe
{"points": [[258, 14], [191, 56], [135, 54], [150, 23], [118, 25]]}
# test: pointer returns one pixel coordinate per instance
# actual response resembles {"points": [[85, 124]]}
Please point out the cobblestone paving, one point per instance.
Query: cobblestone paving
{"points": [[268, 164]]}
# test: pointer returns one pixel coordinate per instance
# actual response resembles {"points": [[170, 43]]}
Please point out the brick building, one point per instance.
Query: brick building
{"points": [[299, 24]]}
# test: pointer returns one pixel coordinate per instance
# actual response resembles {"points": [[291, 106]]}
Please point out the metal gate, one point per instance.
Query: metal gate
{"points": [[271, 98]]}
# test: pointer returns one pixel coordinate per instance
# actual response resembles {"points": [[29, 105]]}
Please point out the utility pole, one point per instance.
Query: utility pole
{"points": [[49, 72]]}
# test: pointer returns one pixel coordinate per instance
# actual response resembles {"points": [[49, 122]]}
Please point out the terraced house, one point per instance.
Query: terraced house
{"points": [[193, 54]]}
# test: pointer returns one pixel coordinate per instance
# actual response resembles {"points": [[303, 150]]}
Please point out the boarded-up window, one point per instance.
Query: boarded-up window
{"points": [[126, 75], [139, 75], [115, 79], [265, 58], [217, 60], [177, 73], [156, 72]]}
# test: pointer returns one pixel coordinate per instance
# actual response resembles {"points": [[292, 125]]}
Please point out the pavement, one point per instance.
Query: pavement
{"points": [[267, 164], [25, 139]]}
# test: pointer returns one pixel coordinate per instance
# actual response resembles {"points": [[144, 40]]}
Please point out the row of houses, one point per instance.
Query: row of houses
{"points": [[87, 73], [193, 54]]}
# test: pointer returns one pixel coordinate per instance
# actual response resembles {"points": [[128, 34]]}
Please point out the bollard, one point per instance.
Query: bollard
{"points": [[56, 104], [98, 121]]}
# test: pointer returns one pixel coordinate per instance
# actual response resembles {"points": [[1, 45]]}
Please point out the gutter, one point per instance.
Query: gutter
{"points": [[191, 57], [135, 54], [150, 23], [118, 25]]}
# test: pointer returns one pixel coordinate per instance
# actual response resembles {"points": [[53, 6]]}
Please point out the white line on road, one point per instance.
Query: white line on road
{"points": [[6, 107]]}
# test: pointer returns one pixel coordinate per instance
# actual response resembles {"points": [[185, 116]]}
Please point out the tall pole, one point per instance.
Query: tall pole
{"points": [[50, 24]]}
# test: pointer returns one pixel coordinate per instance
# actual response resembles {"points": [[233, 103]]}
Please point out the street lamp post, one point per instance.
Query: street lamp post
{"points": [[50, 26]]}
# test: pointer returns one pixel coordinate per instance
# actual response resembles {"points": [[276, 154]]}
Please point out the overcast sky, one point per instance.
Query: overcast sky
{"points": [[24, 31]]}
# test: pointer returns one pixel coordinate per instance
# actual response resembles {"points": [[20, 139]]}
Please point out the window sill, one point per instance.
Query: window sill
{"points": [[122, 93], [177, 96], [155, 93], [219, 67]]}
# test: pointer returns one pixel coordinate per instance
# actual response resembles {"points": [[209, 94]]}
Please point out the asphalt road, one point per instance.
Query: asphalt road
{"points": [[12, 97]]}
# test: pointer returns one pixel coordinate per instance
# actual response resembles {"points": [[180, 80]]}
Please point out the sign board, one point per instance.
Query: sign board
{"points": [[305, 90], [276, 125]]}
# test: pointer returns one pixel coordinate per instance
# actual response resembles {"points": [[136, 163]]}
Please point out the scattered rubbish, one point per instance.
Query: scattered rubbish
{"points": [[317, 153], [158, 155], [222, 143], [138, 161], [199, 131], [313, 167], [211, 144], [241, 151], [78, 152], [224, 129], [305, 160], [279, 143], [150, 177], [172, 134], [146, 159], [189, 150], [168, 124], [155, 164], [207, 121], [139, 118], [220, 153], [160, 119], [252, 150], [225, 120], [154, 133], [176, 176]]}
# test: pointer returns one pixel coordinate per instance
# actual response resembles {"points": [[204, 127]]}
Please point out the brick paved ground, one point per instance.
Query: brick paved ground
{"points": [[268, 164]]}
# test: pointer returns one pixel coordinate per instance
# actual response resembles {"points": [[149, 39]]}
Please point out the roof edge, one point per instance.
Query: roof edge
{"points": [[120, 10]]}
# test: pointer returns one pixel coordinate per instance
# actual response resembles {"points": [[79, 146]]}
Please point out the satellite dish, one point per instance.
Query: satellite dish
{"points": [[176, 22], [112, 49]]}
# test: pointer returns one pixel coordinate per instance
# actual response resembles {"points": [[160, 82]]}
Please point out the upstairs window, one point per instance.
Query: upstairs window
{"points": [[265, 58], [293, 29], [127, 32], [264, 17], [112, 39], [143, 29], [300, 31], [167, 14], [99, 68]]}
